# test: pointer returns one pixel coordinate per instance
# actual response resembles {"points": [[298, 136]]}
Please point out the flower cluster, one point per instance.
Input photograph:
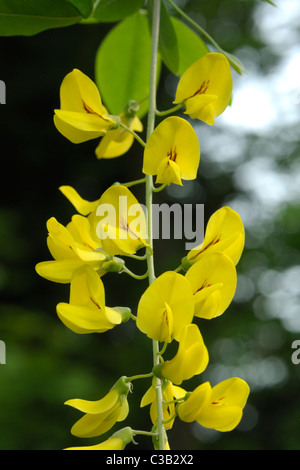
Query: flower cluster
{"points": [[104, 231]]}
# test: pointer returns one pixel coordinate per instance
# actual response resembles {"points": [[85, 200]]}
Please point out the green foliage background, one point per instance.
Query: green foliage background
{"points": [[46, 363]]}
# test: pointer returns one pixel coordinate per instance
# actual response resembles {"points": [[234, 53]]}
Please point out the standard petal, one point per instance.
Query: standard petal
{"points": [[205, 88], [224, 233], [213, 280], [78, 93]]}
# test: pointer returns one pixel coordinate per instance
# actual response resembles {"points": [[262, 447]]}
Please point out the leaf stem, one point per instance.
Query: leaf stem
{"points": [[234, 61]]}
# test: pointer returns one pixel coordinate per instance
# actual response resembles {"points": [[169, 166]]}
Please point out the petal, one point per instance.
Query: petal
{"points": [[148, 397], [201, 107], [58, 271], [87, 289], [80, 127], [124, 410], [221, 419], [168, 172], [113, 443], [174, 290], [191, 358], [106, 403], [137, 125], [120, 222], [224, 233], [91, 425], [213, 280], [176, 139], [114, 144], [82, 206], [77, 91], [228, 399], [210, 76], [83, 320], [234, 392], [198, 400]]}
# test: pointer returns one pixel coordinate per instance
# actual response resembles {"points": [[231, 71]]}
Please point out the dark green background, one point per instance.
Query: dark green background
{"points": [[46, 363]]}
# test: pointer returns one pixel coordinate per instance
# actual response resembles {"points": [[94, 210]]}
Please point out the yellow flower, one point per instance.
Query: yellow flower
{"points": [[169, 392], [172, 152], [81, 116], [191, 358], [213, 280], [101, 415], [205, 88], [117, 219], [117, 142], [86, 312], [166, 307], [117, 441], [224, 233], [219, 408], [71, 247], [119, 222]]}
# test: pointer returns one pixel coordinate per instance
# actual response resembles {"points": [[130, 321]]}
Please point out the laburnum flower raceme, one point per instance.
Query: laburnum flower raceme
{"points": [[114, 225]]}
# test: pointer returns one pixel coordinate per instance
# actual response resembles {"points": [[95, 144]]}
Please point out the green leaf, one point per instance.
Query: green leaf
{"points": [[190, 46], [84, 7], [115, 10], [168, 45], [123, 64], [271, 3], [29, 17]]}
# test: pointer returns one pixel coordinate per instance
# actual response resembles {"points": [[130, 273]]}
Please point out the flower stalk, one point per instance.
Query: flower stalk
{"points": [[149, 197]]}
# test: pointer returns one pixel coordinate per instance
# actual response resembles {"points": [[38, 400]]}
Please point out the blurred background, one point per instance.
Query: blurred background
{"points": [[250, 160]]}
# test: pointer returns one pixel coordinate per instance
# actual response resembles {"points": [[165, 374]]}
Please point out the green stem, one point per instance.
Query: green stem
{"points": [[140, 376], [234, 61], [143, 433], [135, 135], [198, 27], [133, 183], [177, 270], [135, 276], [149, 196], [160, 188], [169, 111], [137, 257]]}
